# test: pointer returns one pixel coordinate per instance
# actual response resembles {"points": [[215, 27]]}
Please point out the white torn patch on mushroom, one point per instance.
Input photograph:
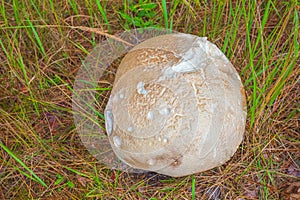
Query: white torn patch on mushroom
{"points": [[141, 88], [167, 73], [130, 129], [239, 102], [122, 95], [117, 141], [150, 115], [169, 135], [194, 59], [215, 152], [151, 161], [108, 122], [237, 76], [165, 110]]}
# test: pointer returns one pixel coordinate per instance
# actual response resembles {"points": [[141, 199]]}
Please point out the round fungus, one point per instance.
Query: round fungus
{"points": [[183, 98]]}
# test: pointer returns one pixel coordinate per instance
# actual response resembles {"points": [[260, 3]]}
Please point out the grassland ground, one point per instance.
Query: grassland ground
{"points": [[42, 45]]}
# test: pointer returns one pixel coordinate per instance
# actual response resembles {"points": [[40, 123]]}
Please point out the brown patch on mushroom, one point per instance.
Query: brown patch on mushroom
{"points": [[154, 56], [244, 103], [146, 57], [161, 157], [177, 162]]}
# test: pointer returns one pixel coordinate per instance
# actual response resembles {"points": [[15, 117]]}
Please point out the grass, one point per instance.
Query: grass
{"points": [[33, 176], [42, 45], [165, 14]]}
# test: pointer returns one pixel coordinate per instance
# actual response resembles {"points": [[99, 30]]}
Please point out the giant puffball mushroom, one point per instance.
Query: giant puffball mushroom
{"points": [[177, 106]]}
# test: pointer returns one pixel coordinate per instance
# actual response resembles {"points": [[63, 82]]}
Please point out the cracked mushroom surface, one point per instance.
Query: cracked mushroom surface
{"points": [[177, 106]]}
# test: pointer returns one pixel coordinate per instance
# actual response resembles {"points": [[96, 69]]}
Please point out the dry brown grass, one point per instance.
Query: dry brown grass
{"points": [[36, 121]]}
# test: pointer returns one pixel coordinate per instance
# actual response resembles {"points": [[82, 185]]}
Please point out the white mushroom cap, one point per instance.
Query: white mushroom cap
{"points": [[177, 106]]}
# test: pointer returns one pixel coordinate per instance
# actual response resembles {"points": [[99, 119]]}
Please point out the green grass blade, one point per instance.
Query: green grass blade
{"points": [[193, 187], [172, 13], [39, 42], [165, 13], [73, 5], [37, 10], [77, 172], [263, 23], [296, 33], [103, 14], [22, 164], [3, 13], [22, 66], [57, 19], [16, 12], [249, 20]]}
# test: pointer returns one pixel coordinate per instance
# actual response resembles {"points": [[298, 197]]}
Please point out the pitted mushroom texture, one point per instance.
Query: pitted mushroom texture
{"points": [[177, 106]]}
